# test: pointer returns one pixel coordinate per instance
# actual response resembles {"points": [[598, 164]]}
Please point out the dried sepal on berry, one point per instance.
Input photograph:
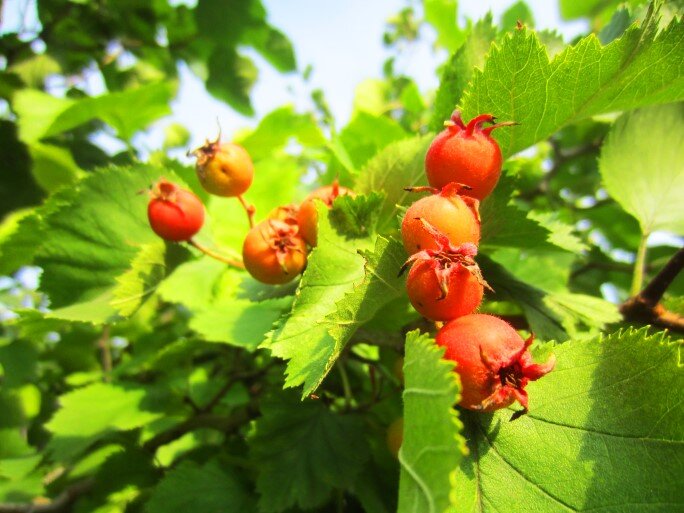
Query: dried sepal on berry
{"points": [[444, 283]]}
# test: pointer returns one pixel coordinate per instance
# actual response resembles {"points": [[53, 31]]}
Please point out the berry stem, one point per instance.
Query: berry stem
{"points": [[221, 258], [106, 354], [249, 209]]}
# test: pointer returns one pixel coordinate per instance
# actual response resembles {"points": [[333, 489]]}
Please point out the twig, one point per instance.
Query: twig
{"points": [[249, 209], [227, 424], [221, 258], [59, 504], [234, 378], [106, 354], [645, 307]]}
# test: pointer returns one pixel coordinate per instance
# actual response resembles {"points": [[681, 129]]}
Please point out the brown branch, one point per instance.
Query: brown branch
{"points": [[249, 210], [645, 306], [57, 505]]}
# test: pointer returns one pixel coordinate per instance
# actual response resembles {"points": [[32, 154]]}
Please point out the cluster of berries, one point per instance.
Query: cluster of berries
{"points": [[441, 233], [275, 250]]}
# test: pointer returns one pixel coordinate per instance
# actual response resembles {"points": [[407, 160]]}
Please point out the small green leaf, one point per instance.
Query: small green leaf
{"points": [[642, 165], [304, 451], [432, 445], [443, 16], [604, 433], [76, 424], [210, 488], [231, 78]]}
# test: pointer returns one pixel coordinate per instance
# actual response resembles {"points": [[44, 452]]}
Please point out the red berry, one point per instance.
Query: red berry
{"points": [[465, 154], [308, 217], [446, 283], [454, 215], [174, 214], [224, 169], [492, 360], [274, 252]]}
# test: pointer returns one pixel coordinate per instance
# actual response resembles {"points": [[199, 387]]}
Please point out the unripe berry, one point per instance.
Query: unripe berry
{"points": [[454, 215], [224, 169], [273, 252], [308, 216]]}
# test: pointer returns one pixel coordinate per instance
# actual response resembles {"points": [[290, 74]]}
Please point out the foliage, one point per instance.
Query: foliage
{"points": [[143, 376]]}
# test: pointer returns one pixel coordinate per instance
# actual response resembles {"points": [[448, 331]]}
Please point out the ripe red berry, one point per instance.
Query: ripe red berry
{"points": [[174, 214], [308, 217], [465, 154], [492, 360], [224, 169], [274, 252], [446, 283], [454, 215]]}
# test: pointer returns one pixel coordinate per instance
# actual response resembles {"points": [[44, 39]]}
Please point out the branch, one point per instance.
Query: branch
{"points": [[645, 307], [228, 424], [59, 504]]}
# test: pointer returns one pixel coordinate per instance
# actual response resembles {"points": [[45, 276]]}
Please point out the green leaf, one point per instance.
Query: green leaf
{"points": [[41, 115], [459, 70], [77, 424], [399, 165], [53, 167], [277, 128], [231, 78], [642, 165], [519, 83], [552, 315], [518, 12], [334, 269], [432, 445], [273, 45], [381, 284], [210, 488], [98, 250], [443, 16], [608, 404], [363, 137], [303, 451], [18, 188], [505, 225]]}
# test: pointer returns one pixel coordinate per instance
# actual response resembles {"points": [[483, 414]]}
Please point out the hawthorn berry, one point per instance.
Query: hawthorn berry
{"points": [[285, 213], [224, 169], [492, 360], [452, 214], [466, 154], [308, 217], [445, 283], [175, 214], [273, 252]]}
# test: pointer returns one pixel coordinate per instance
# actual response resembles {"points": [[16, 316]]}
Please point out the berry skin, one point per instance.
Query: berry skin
{"points": [[308, 217], [274, 252], [224, 169], [285, 213], [465, 154], [174, 214], [445, 284], [492, 360], [454, 215]]}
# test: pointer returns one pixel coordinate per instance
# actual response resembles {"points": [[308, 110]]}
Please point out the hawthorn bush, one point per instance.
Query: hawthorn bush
{"points": [[147, 376]]}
